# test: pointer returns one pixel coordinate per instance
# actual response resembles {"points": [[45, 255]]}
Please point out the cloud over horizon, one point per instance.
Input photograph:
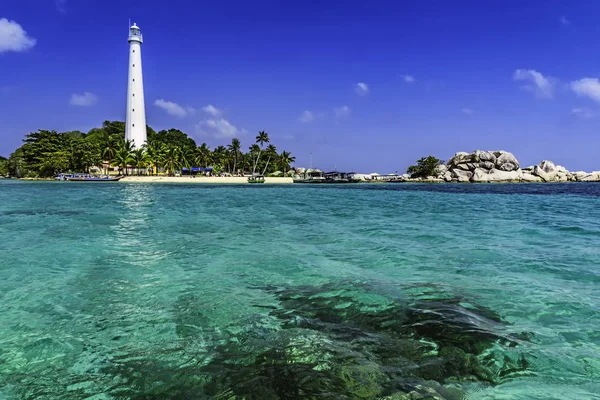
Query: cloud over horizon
{"points": [[212, 110], [542, 86], [13, 37], [172, 108], [86, 99], [220, 128], [587, 87], [362, 89], [307, 116], [342, 112]]}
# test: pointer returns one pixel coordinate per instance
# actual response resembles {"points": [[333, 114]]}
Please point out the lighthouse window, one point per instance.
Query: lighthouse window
{"points": [[134, 51], [134, 80], [133, 110], [134, 65], [133, 125], [133, 94]]}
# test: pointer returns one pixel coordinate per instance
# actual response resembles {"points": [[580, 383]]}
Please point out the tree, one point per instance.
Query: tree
{"points": [[84, 154], [426, 166], [140, 159], [235, 148], [203, 156], [171, 159], [186, 157], [261, 138], [271, 152], [285, 159], [3, 166], [109, 147], [123, 156]]}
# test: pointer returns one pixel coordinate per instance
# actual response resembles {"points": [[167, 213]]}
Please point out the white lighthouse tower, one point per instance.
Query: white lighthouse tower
{"points": [[135, 122]]}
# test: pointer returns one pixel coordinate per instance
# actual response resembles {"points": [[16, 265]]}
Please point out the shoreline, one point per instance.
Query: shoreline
{"points": [[230, 180]]}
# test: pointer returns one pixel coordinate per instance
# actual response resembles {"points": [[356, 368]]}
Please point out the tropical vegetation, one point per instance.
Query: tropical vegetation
{"points": [[46, 153], [426, 166]]}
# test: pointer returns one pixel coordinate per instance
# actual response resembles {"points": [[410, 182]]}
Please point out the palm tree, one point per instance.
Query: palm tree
{"points": [[203, 156], [218, 156], [285, 159], [235, 148], [261, 138], [186, 155], [109, 148], [155, 150], [271, 151], [140, 159], [171, 159], [122, 157]]}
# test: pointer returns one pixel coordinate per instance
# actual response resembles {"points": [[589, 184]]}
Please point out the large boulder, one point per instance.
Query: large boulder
{"points": [[461, 176], [592, 177], [547, 166], [487, 164], [459, 158], [495, 175], [487, 156], [506, 161], [527, 176], [549, 172]]}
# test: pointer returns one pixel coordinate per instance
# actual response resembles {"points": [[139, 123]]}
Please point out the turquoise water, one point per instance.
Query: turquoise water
{"points": [[192, 291]]}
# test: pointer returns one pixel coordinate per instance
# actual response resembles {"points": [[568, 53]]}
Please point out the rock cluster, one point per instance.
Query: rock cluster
{"points": [[502, 166]]}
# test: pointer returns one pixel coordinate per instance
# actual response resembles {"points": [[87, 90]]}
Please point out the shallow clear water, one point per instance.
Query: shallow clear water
{"points": [[164, 291]]}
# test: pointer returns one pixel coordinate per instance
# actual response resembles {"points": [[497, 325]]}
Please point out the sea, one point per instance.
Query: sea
{"points": [[364, 291]]}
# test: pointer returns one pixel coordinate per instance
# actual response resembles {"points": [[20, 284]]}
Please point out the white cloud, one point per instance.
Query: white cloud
{"points": [[588, 87], [362, 89], [220, 128], [61, 6], [468, 111], [542, 86], [342, 112], [86, 99], [13, 37], [307, 116], [583, 113], [212, 110], [408, 78], [171, 108], [564, 21]]}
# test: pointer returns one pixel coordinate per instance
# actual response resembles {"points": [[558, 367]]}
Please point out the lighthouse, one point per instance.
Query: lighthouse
{"points": [[135, 122]]}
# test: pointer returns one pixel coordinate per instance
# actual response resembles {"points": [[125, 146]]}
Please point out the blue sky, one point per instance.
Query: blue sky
{"points": [[367, 86]]}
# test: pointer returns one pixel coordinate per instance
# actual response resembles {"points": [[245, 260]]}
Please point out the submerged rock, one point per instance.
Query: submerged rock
{"points": [[337, 341]]}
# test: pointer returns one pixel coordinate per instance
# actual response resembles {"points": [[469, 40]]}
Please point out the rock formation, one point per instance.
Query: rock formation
{"points": [[502, 166]]}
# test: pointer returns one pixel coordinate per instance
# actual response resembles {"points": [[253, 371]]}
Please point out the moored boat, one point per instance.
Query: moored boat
{"points": [[256, 179], [340, 177], [92, 178], [311, 177]]}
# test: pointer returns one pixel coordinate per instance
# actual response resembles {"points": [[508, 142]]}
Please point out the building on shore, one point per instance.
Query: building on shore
{"points": [[135, 121]]}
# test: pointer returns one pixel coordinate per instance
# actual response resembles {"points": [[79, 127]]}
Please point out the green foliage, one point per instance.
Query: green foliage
{"points": [[426, 166], [3, 166], [45, 153]]}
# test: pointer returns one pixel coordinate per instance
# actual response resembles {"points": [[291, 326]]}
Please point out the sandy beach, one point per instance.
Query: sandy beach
{"points": [[202, 179]]}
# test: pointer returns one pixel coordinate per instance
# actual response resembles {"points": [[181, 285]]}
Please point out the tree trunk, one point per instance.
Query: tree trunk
{"points": [[266, 166], [256, 162]]}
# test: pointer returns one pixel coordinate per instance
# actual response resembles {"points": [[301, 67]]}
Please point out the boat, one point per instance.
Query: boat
{"points": [[311, 177], [340, 177], [92, 178], [63, 177], [256, 179]]}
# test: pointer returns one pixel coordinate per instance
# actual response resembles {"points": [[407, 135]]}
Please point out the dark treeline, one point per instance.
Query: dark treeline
{"points": [[46, 153]]}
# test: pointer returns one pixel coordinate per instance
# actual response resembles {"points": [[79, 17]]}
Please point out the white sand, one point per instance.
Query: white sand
{"points": [[200, 179]]}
